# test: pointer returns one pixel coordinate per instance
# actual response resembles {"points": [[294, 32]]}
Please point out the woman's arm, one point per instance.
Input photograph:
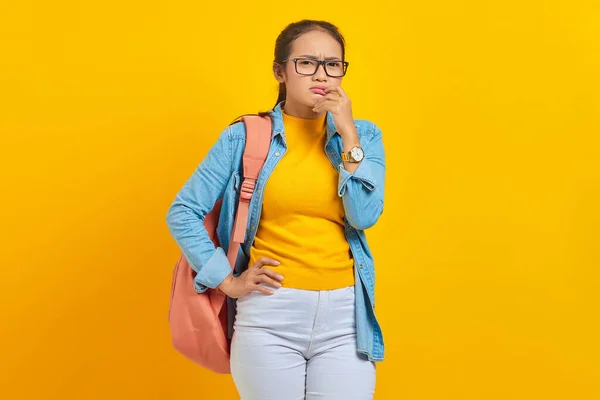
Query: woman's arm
{"points": [[185, 217], [362, 189]]}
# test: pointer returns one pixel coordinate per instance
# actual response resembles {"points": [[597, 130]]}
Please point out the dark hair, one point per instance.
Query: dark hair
{"points": [[283, 46]]}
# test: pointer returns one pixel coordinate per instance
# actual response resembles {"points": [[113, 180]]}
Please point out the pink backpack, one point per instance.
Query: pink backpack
{"points": [[198, 321]]}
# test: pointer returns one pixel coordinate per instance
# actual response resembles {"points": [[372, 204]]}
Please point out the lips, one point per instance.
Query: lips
{"points": [[319, 90]]}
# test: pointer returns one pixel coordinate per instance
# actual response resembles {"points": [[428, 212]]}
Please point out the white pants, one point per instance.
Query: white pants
{"points": [[299, 344]]}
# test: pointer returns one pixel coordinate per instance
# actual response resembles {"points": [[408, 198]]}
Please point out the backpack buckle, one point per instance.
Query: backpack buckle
{"points": [[247, 189]]}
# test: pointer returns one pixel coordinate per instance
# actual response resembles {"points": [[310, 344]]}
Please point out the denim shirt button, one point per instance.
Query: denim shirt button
{"points": [[277, 154]]}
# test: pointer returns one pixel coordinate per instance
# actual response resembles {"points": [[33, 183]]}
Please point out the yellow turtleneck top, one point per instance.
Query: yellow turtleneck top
{"points": [[301, 223]]}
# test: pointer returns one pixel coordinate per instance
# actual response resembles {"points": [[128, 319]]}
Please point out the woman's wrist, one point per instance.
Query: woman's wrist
{"points": [[226, 284]]}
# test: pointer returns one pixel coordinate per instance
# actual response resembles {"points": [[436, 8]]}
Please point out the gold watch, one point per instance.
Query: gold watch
{"points": [[355, 155]]}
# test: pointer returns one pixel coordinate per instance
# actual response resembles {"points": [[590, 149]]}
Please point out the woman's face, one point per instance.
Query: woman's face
{"points": [[300, 97]]}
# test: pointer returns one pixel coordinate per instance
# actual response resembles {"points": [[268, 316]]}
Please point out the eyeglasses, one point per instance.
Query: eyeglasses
{"points": [[309, 66]]}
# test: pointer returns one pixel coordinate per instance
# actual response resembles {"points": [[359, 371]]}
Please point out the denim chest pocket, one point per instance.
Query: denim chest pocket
{"points": [[231, 196]]}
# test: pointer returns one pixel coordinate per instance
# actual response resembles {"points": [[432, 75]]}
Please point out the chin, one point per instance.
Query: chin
{"points": [[307, 104]]}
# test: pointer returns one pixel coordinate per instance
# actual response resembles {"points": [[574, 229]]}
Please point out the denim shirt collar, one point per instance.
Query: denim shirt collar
{"points": [[277, 118]]}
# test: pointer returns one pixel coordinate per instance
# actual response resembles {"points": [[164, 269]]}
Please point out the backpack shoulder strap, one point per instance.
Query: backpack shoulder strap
{"points": [[258, 141]]}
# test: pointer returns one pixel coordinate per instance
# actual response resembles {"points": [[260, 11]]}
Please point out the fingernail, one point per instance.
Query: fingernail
{"points": [[280, 277]]}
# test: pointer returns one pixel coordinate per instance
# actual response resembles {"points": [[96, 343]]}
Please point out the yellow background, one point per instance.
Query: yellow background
{"points": [[487, 253]]}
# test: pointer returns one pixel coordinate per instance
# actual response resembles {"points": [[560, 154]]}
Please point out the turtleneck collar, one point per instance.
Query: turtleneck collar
{"points": [[316, 126]]}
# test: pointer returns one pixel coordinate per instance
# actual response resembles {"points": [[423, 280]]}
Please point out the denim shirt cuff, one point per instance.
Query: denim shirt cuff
{"points": [[213, 272], [363, 174]]}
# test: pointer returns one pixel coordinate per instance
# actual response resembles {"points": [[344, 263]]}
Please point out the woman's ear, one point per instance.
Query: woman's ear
{"points": [[278, 72]]}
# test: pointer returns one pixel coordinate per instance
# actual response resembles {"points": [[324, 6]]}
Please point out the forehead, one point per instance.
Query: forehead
{"points": [[316, 43]]}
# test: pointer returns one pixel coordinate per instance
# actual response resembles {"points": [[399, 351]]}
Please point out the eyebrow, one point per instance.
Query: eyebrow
{"points": [[313, 57]]}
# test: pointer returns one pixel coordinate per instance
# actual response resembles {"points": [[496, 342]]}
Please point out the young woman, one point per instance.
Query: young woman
{"points": [[314, 334]]}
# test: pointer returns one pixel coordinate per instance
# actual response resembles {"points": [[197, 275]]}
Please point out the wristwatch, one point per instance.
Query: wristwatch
{"points": [[355, 155]]}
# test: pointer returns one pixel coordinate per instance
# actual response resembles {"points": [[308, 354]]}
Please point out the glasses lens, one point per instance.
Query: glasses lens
{"points": [[335, 68], [306, 66]]}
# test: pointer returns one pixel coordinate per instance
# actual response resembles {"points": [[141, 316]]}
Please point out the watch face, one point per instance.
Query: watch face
{"points": [[357, 153]]}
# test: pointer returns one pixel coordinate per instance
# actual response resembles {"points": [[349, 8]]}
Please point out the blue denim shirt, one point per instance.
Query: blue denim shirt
{"points": [[219, 175]]}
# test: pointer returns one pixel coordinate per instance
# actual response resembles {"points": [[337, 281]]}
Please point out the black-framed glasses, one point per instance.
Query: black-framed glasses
{"points": [[309, 66]]}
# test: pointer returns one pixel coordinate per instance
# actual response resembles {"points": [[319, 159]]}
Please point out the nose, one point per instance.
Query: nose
{"points": [[320, 75]]}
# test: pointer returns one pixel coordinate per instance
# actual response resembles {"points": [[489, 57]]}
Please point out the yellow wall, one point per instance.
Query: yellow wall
{"points": [[488, 249]]}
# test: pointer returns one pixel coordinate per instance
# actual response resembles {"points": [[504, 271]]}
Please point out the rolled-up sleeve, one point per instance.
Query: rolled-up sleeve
{"points": [[362, 191], [185, 216]]}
